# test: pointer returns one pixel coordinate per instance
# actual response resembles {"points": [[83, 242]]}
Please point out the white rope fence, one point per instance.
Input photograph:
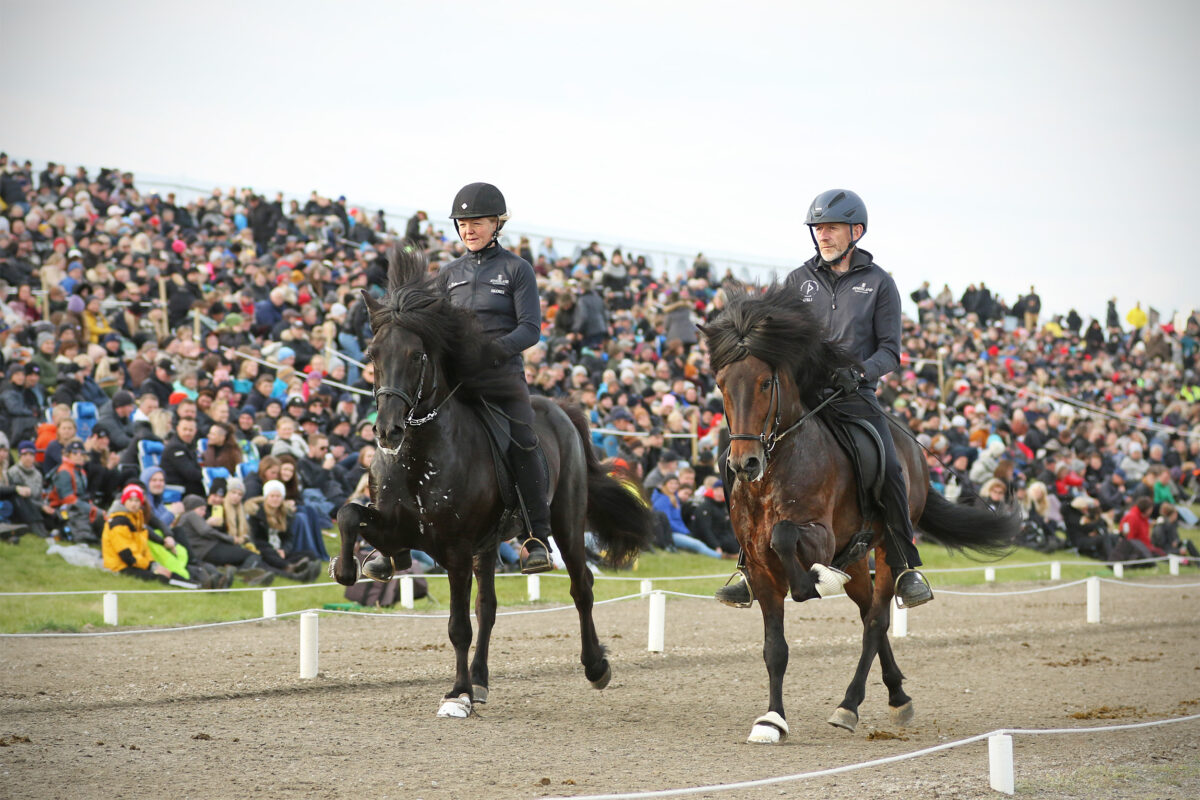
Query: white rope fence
{"points": [[1000, 760]]}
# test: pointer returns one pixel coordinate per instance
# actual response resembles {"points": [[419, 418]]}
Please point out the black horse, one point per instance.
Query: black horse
{"points": [[433, 485], [793, 496]]}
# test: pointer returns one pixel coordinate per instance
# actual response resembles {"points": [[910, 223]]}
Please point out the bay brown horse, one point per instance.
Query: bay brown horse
{"points": [[793, 496], [434, 487]]}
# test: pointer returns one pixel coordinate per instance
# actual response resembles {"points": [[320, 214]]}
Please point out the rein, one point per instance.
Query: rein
{"points": [[771, 435], [411, 421]]}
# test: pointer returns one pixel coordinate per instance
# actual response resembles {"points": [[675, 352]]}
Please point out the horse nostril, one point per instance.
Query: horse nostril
{"points": [[750, 468]]}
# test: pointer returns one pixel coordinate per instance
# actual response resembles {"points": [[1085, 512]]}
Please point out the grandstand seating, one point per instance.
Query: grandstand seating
{"points": [[149, 453], [85, 415], [212, 474]]}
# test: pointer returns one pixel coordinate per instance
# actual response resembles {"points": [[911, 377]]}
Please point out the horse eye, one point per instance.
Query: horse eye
{"points": [[766, 385]]}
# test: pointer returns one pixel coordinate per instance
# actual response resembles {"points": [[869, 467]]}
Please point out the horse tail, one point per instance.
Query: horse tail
{"points": [[960, 527], [617, 515]]}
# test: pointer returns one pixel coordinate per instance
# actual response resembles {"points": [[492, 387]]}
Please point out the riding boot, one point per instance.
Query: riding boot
{"points": [[531, 480], [911, 587], [736, 591]]}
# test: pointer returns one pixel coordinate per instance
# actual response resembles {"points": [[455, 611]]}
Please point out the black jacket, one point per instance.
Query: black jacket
{"points": [[860, 309], [501, 288], [181, 466]]}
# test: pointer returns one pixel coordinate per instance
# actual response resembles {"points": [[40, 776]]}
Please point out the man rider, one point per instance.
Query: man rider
{"points": [[860, 306]]}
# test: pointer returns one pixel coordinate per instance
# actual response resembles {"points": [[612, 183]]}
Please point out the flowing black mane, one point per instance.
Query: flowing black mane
{"points": [[416, 302], [774, 326]]}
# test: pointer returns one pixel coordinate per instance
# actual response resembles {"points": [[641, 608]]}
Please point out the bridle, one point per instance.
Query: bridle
{"points": [[771, 435], [409, 420]]}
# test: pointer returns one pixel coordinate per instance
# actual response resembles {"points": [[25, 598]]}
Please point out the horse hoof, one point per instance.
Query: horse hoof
{"points": [[844, 718], [603, 680], [480, 693], [901, 715], [770, 728], [336, 574], [455, 707]]}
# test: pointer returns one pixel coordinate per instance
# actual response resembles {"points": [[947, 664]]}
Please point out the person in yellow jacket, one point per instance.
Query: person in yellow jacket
{"points": [[125, 542]]}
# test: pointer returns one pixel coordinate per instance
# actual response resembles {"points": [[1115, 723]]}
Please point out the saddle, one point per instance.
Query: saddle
{"points": [[863, 446]]}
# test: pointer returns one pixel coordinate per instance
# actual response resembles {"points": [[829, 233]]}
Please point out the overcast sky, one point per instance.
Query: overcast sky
{"points": [[1017, 143]]}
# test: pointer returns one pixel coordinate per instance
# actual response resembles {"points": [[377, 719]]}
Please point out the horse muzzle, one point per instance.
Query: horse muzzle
{"points": [[750, 467]]}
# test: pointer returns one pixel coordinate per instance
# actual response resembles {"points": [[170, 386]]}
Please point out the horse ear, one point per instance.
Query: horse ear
{"points": [[373, 305]]}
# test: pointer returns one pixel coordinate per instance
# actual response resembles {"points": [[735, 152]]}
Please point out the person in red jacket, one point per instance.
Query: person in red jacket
{"points": [[1135, 526]]}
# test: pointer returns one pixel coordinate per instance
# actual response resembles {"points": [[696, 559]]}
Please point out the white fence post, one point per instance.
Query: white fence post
{"points": [[308, 644], [989, 574], [1000, 762], [1173, 565], [899, 620], [647, 587], [110, 608], [534, 584], [658, 622], [406, 591], [268, 598], [1056, 570], [1118, 570], [1093, 599]]}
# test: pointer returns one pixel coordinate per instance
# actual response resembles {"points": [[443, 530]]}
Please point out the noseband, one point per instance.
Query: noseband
{"points": [[409, 420], [771, 435]]}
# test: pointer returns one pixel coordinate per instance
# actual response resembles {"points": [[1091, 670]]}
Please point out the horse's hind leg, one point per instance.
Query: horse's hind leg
{"points": [[485, 614], [874, 639], [568, 522], [900, 707]]}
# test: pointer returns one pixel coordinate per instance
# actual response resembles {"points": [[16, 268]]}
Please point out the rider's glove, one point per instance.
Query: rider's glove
{"points": [[848, 379]]}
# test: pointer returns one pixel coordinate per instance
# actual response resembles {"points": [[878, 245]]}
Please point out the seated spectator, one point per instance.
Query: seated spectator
{"points": [[1134, 465], [29, 503], [180, 462], [1135, 528], [214, 546], [1165, 535], [64, 434], [272, 529], [1042, 519], [70, 498], [125, 539], [1087, 530], [710, 519], [222, 449], [665, 501]]}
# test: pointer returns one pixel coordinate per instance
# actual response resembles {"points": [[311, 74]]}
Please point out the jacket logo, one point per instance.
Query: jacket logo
{"points": [[456, 284], [862, 288], [499, 280], [808, 290]]}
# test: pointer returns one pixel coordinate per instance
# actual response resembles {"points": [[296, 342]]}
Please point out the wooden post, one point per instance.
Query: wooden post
{"points": [[162, 300]]}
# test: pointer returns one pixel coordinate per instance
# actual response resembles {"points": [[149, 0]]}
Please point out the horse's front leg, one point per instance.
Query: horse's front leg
{"points": [[771, 727], [354, 520], [457, 702], [485, 614]]}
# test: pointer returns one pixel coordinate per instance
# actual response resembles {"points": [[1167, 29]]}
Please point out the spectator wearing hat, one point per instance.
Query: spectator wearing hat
{"points": [[614, 443], [45, 356], [70, 497], [272, 529], [29, 505], [1134, 465], [180, 462], [211, 544], [668, 464], [125, 540], [162, 382], [117, 419], [102, 467]]}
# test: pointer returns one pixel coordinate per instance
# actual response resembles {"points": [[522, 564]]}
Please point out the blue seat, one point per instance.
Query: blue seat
{"points": [[149, 453], [201, 445], [84, 414], [212, 474], [172, 493], [247, 468]]}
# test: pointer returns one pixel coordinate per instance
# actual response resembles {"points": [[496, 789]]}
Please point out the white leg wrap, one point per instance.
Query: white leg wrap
{"points": [[829, 580], [770, 728], [455, 707]]}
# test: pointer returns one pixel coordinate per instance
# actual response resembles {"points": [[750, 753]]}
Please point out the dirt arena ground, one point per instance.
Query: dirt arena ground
{"points": [[222, 713]]}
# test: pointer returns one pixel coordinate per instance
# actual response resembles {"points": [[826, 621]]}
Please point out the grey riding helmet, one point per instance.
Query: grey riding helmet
{"points": [[837, 205]]}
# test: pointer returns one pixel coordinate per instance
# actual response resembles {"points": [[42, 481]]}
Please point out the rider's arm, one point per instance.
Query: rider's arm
{"points": [[527, 307], [887, 332]]}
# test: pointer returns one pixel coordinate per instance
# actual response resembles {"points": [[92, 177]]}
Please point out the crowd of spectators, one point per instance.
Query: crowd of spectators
{"points": [[211, 353]]}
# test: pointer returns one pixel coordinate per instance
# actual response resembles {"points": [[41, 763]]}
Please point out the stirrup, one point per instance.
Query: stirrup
{"points": [[532, 566], [900, 601], [736, 595], [376, 571]]}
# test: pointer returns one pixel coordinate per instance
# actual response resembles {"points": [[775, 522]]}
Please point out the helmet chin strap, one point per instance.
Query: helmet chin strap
{"points": [[838, 258]]}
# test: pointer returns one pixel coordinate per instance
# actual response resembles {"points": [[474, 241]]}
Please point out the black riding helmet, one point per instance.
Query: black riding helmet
{"points": [[837, 205], [479, 200]]}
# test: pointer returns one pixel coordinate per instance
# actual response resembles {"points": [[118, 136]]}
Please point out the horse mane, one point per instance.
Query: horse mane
{"points": [[417, 302], [773, 325]]}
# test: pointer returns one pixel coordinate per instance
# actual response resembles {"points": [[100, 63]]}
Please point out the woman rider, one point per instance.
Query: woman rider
{"points": [[501, 288]]}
